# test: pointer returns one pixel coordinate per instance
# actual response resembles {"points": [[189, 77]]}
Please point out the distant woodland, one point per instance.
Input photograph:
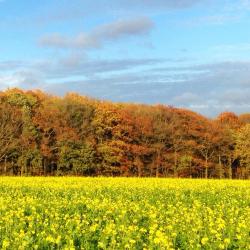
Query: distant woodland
{"points": [[47, 135]]}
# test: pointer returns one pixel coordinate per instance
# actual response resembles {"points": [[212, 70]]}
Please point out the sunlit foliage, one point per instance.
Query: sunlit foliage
{"points": [[42, 134]]}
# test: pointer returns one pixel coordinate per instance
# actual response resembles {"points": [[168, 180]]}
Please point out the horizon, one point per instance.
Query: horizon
{"points": [[191, 54], [99, 100]]}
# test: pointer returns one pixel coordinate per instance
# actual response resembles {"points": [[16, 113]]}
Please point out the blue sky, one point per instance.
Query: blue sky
{"points": [[186, 53]]}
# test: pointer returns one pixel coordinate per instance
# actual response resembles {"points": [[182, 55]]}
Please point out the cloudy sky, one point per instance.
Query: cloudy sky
{"points": [[186, 53]]}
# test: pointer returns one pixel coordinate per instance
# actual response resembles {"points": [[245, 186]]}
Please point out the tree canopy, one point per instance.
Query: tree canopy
{"points": [[41, 134]]}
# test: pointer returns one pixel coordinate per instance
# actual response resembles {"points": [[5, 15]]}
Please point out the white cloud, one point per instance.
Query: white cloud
{"points": [[206, 88], [10, 81], [100, 35], [187, 98]]}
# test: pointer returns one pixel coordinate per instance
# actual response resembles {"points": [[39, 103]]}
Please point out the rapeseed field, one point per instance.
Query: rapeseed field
{"points": [[123, 213]]}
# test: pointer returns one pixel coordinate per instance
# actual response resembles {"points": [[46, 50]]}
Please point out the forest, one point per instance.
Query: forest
{"points": [[46, 135]]}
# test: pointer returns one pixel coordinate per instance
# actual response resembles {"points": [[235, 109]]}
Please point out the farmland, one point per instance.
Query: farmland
{"points": [[123, 213]]}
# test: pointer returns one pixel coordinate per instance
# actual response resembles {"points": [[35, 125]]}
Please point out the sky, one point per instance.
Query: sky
{"points": [[191, 54]]}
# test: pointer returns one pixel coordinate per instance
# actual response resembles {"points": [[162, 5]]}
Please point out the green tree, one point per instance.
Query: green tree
{"points": [[75, 158], [242, 149], [30, 162]]}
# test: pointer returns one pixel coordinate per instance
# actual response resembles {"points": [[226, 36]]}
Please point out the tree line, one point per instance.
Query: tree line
{"points": [[41, 134]]}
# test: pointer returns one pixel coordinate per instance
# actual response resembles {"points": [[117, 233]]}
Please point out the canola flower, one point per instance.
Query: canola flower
{"points": [[123, 213]]}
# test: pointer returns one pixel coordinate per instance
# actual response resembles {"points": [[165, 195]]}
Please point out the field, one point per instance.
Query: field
{"points": [[123, 213]]}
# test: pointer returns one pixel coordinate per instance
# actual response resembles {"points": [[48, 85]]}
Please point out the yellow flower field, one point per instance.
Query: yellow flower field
{"points": [[123, 213]]}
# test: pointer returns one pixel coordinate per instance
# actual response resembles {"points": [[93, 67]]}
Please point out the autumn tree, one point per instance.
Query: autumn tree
{"points": [[41, 134], [242, 149], [10, 129], [244, 118]]}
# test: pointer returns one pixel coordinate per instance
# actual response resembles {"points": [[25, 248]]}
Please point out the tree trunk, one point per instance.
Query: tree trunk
{"points": [[139, 171], [157, 167], [206, 168], [157, 164], [230, 173], [44, 167], [139, 166], [5, 165], [220, 167], [175, 164], [190, 170], [22, 170]]}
